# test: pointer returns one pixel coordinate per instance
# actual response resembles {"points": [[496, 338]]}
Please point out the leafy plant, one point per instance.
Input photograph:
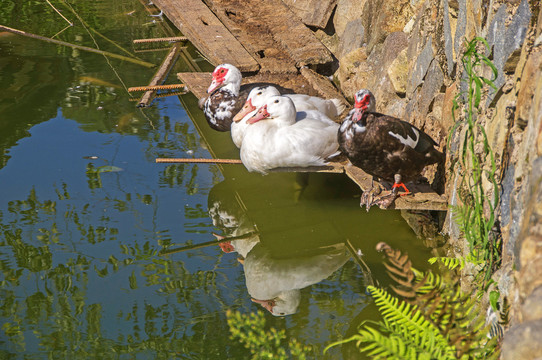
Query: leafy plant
{"points": [[250, 330], [456, 262], [476, 212], [433, 320]]}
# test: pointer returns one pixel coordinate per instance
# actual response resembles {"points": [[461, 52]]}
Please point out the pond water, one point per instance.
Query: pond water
{"points": [[90, 225]]}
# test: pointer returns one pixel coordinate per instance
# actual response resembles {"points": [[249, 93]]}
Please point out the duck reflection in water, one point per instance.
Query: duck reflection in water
{"points": [[275, 280], [275, 272], [227, 215]]}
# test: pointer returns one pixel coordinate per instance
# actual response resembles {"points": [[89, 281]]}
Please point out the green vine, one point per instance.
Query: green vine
{"points": [[475, 214]]}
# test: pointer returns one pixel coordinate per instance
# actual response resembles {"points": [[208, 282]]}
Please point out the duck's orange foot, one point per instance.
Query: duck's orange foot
{"points": [[397, 186]]}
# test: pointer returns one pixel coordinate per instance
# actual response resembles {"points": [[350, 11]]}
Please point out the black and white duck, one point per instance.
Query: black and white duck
{"points": [[385, 147], [225, 98]]}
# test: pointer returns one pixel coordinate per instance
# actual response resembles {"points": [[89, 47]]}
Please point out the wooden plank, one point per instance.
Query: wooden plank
{"points": [[324, 87], [293, 35], [422, 198], [161, 74], [239, 18], [197, 83], [207, 33], [271, 18], [312, 12]]}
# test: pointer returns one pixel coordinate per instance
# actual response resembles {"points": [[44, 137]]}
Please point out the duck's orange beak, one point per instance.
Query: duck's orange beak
{"points": [[215, 84], [247, 108], [260, 115], [266, 304]]}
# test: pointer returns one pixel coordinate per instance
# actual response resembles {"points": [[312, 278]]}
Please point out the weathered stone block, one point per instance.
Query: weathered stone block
{"points": [[353, 37], [461, 25], [353, 72], [447, 119], [346, 11], [420, 67], [523, 342], [398, 73], [532, 306], [381, 18], [432, 84], [532, 69], [448, 41]]}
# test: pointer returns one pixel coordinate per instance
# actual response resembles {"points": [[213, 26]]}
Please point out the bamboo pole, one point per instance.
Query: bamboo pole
{"points": [[80, 47], [207, 243], [156, 87], [165, 39], [198, 161]]}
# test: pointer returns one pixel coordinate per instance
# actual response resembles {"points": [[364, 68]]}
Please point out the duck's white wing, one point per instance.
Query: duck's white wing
{"points": [[267, 277], [331, 108]]}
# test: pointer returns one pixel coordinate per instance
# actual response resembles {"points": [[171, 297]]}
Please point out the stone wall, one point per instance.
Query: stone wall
{"points": [[408, 53]]}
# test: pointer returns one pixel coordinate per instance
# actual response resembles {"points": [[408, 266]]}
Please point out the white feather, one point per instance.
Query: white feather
{"points": [[408, 141]]}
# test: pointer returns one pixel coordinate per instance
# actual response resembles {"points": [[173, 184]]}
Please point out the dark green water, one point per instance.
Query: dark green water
{"points": [[85, 210]]}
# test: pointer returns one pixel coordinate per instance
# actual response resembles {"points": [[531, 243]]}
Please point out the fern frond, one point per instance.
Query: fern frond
{"points": [[408, 322], [450, 262]]}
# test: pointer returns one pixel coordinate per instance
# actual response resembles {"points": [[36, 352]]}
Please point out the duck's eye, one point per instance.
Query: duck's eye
{"points": [[276, 101], [221, 70], [259, 93]]}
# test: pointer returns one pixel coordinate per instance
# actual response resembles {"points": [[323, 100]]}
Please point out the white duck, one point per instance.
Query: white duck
{"points": [[275, 283], [256, 98], [275, 139]]}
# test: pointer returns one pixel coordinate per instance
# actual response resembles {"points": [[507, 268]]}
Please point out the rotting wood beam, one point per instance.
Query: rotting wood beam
{"points": [[161, 74]]}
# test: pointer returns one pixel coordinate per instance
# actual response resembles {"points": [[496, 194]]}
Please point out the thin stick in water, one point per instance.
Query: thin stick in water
{"points": [[166, 39], [156, 87], [59, 13], [198, 161], [80, 47], [207, 243]]}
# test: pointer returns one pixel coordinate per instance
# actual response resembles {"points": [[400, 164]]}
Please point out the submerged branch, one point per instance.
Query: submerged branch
{"points": [[80, 47], [198, 161], [207, 243]]}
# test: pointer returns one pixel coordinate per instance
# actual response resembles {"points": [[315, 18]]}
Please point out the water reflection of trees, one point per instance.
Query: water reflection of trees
{"points": [[47, 282]]}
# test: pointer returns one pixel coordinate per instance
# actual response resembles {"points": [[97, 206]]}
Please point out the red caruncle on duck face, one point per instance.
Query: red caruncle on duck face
{"points": [[363, 100], [219, 75]]}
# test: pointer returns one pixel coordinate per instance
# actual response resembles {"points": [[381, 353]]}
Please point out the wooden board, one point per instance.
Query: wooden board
{"points": [[207, 33], [324, 87], [312, 12], [253, 21], [239, 18], [422, 198], [197, 83]]}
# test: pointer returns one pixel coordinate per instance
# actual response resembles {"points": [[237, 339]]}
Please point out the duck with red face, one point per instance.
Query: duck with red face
{"points": [[385, 147], [225, 99]]}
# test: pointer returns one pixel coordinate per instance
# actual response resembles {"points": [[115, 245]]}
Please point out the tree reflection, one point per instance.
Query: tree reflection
{"points": [[47, 284]]}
